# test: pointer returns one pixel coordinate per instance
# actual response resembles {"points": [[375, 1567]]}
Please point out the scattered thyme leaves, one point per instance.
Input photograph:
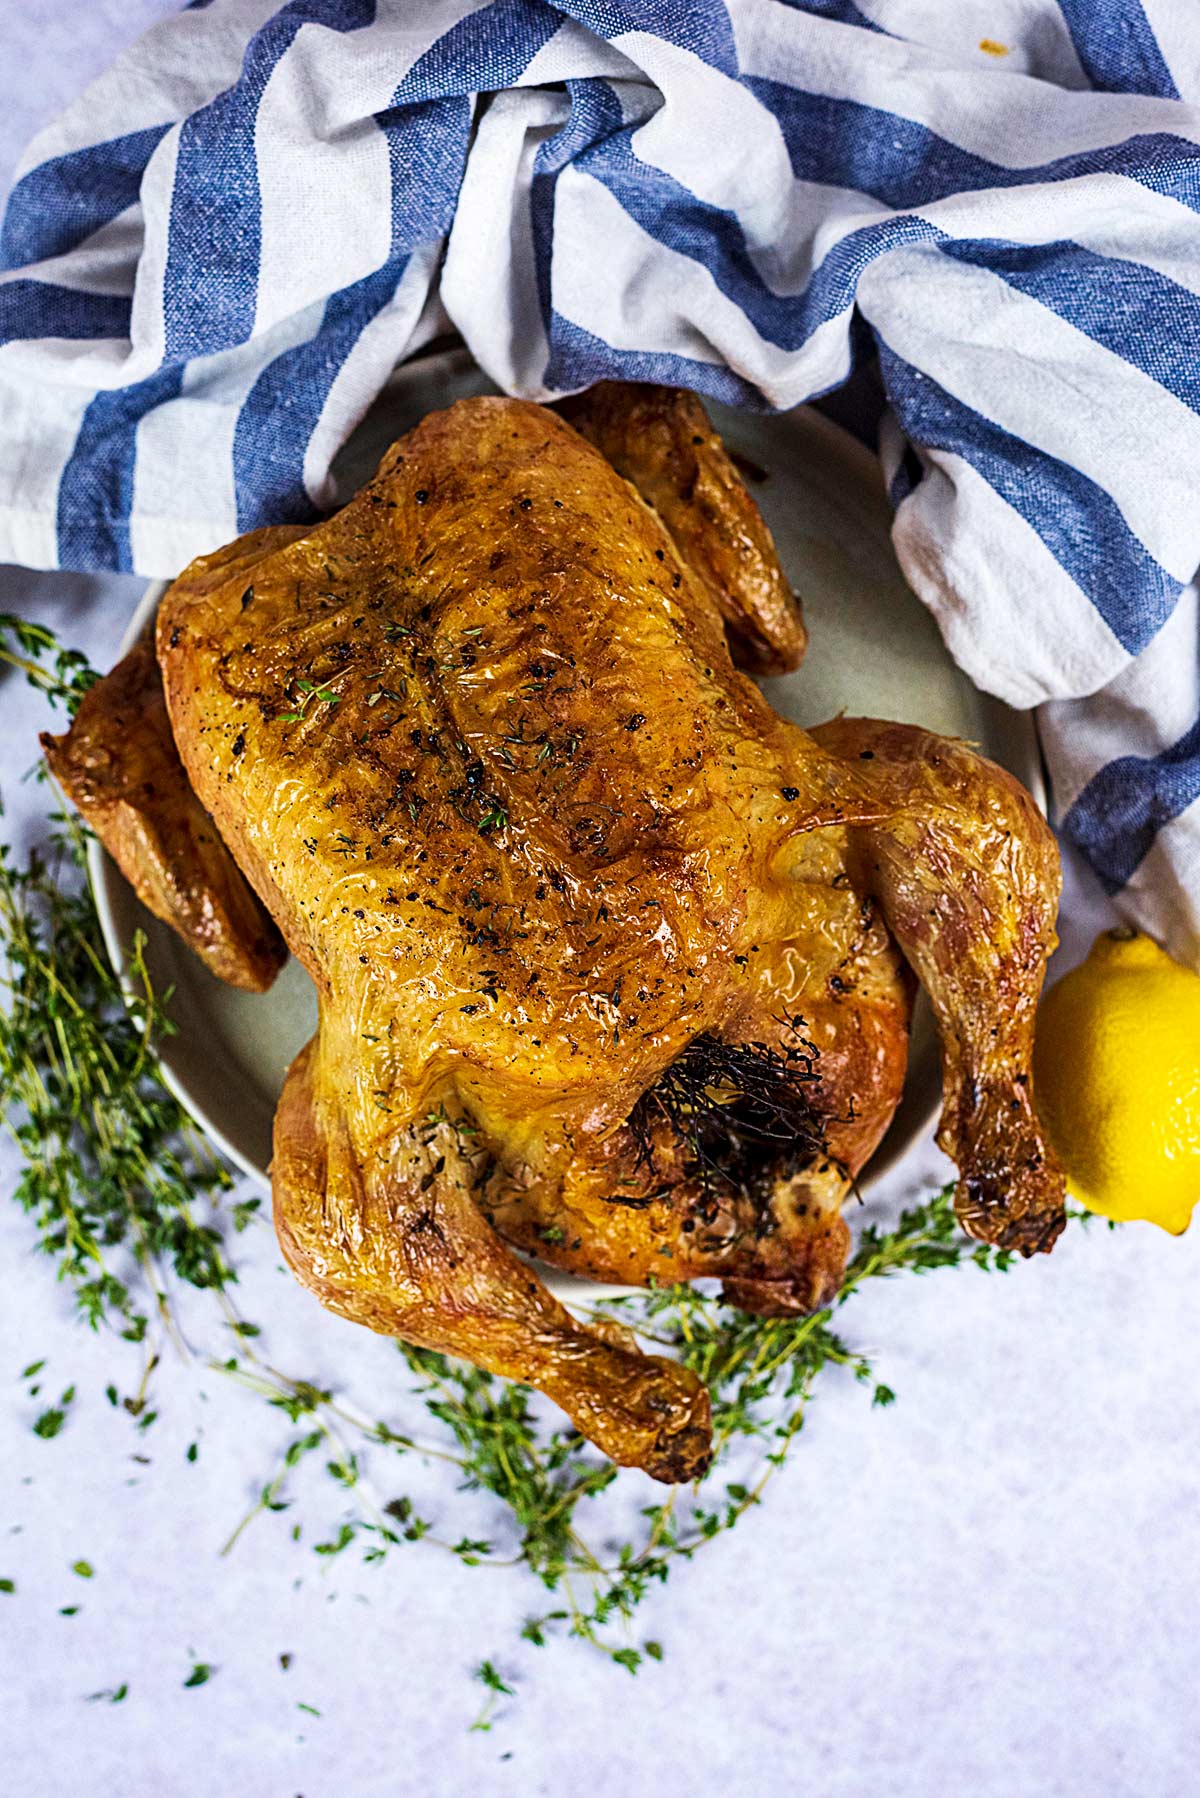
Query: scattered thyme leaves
{"points": [[496, 1689], [301, 694], [51, 1421], [114, 1694]]}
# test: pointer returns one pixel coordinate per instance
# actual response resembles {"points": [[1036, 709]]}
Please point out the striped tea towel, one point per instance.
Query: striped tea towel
{"points": [[217, 256]]}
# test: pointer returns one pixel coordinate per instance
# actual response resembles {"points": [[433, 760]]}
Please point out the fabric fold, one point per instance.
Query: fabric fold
{"points": [[213, 261]]}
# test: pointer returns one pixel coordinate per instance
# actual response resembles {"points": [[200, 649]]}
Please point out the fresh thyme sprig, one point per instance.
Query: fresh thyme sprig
{"points": [[109, 1159], [301, 693], [63, 675], [113, 1172], [540, 1489]]}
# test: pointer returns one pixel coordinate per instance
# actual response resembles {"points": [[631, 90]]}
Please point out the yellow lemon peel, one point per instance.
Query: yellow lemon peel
{"points": [[1117, 1076]]}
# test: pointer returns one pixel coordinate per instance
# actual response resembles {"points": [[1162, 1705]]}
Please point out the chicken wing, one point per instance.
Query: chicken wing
{"points": [[119, 766], [661, 440]]}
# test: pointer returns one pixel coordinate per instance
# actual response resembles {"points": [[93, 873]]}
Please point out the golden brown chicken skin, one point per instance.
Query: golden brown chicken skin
{"points": [[660, 438], [968, 876], [119, 765], [608, 955]]}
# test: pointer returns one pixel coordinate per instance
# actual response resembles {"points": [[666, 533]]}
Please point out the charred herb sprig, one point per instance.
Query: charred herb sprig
{"points": [[735, 1108], [113, 1172]]}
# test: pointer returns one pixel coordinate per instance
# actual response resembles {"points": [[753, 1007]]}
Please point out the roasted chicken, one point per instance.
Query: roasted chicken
{"points": [[614, 965]]}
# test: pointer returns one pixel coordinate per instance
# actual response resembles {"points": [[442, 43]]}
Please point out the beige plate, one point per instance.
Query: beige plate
{"points": [[874, 651]]}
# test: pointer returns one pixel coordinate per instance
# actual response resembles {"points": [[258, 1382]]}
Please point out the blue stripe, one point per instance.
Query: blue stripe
{"points": [[1117, 48], [428, 124], [844, 12], [281, 410], [595, 114], [486, 52], [1120, 812], [43, 309], [1080, 524], [1139, 315], [906, 477], [210, 286], [427, 154], [428, 129], [714, 239], [95, 494], [904, 164], [61, 202], [427, 143], [578, 359], [701, 26]]}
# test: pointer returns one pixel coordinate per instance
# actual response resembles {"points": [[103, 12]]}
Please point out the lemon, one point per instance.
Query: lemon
{"points": [[1117, 1078]]}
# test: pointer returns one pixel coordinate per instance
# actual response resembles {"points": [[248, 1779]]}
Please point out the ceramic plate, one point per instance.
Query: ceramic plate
{"points": [[874, 651]]}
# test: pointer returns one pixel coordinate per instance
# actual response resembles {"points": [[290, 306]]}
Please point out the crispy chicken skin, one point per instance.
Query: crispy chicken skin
{"points": [[968, 876], [613, 963], [119, 766], [660, 438]]}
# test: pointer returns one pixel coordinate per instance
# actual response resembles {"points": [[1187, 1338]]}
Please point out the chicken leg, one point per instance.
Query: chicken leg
{"points": [[967, 873], [391, 1238]]}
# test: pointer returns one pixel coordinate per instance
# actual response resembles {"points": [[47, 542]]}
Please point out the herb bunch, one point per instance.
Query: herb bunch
{"points": [[113, 1176], [110, 1162]]}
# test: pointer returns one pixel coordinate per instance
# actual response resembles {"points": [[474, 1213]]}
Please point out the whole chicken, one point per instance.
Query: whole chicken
{"points": [[614, 965]]}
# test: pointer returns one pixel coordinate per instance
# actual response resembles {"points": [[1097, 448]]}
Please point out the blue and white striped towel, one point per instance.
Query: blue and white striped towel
{"points": [[217, 256]]}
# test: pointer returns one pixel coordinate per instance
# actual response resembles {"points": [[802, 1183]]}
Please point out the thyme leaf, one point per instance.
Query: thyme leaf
{"points": [[63, 675]]}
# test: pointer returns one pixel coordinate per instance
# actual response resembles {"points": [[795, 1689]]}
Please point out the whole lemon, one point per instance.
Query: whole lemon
{"points": [[1117, 1078]]}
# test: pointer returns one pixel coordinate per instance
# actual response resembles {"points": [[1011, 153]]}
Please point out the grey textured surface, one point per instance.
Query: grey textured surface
{"points": [[991, 1588], [51, 50]]}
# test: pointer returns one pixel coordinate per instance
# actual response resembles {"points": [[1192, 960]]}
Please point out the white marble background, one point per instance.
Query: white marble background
{"points": [[991, 1588]]}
